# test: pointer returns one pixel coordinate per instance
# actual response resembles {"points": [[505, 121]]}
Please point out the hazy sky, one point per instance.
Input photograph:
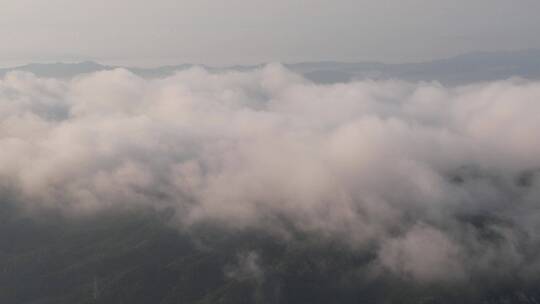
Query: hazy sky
{"points": [[142, 32]]}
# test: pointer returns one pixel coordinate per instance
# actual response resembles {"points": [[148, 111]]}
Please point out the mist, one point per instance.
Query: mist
{"points": [[441, 182]]}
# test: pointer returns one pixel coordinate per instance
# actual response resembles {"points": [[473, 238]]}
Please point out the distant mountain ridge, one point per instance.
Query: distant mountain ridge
{"points": [[461, 69]]}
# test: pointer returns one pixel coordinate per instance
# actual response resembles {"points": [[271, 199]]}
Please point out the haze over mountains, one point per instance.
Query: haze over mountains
{"points": [[462, 69], [270, 152]]}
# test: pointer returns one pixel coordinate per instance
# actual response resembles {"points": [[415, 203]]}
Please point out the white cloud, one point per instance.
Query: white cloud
{"points": [[365, 161]]}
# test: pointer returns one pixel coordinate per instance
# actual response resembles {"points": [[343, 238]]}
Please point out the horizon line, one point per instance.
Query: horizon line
{"points": [[330, 61]]}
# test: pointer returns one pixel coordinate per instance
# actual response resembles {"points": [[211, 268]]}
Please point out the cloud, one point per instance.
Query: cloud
{"points": [[424, 254], [444, 181], [247, 267]]}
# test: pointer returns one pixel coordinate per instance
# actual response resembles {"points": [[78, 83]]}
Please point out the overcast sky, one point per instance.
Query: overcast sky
{"points": [[148, 33]]}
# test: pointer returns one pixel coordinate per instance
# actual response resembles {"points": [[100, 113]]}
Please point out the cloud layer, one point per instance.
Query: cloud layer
{"points": [[442, 182]]}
